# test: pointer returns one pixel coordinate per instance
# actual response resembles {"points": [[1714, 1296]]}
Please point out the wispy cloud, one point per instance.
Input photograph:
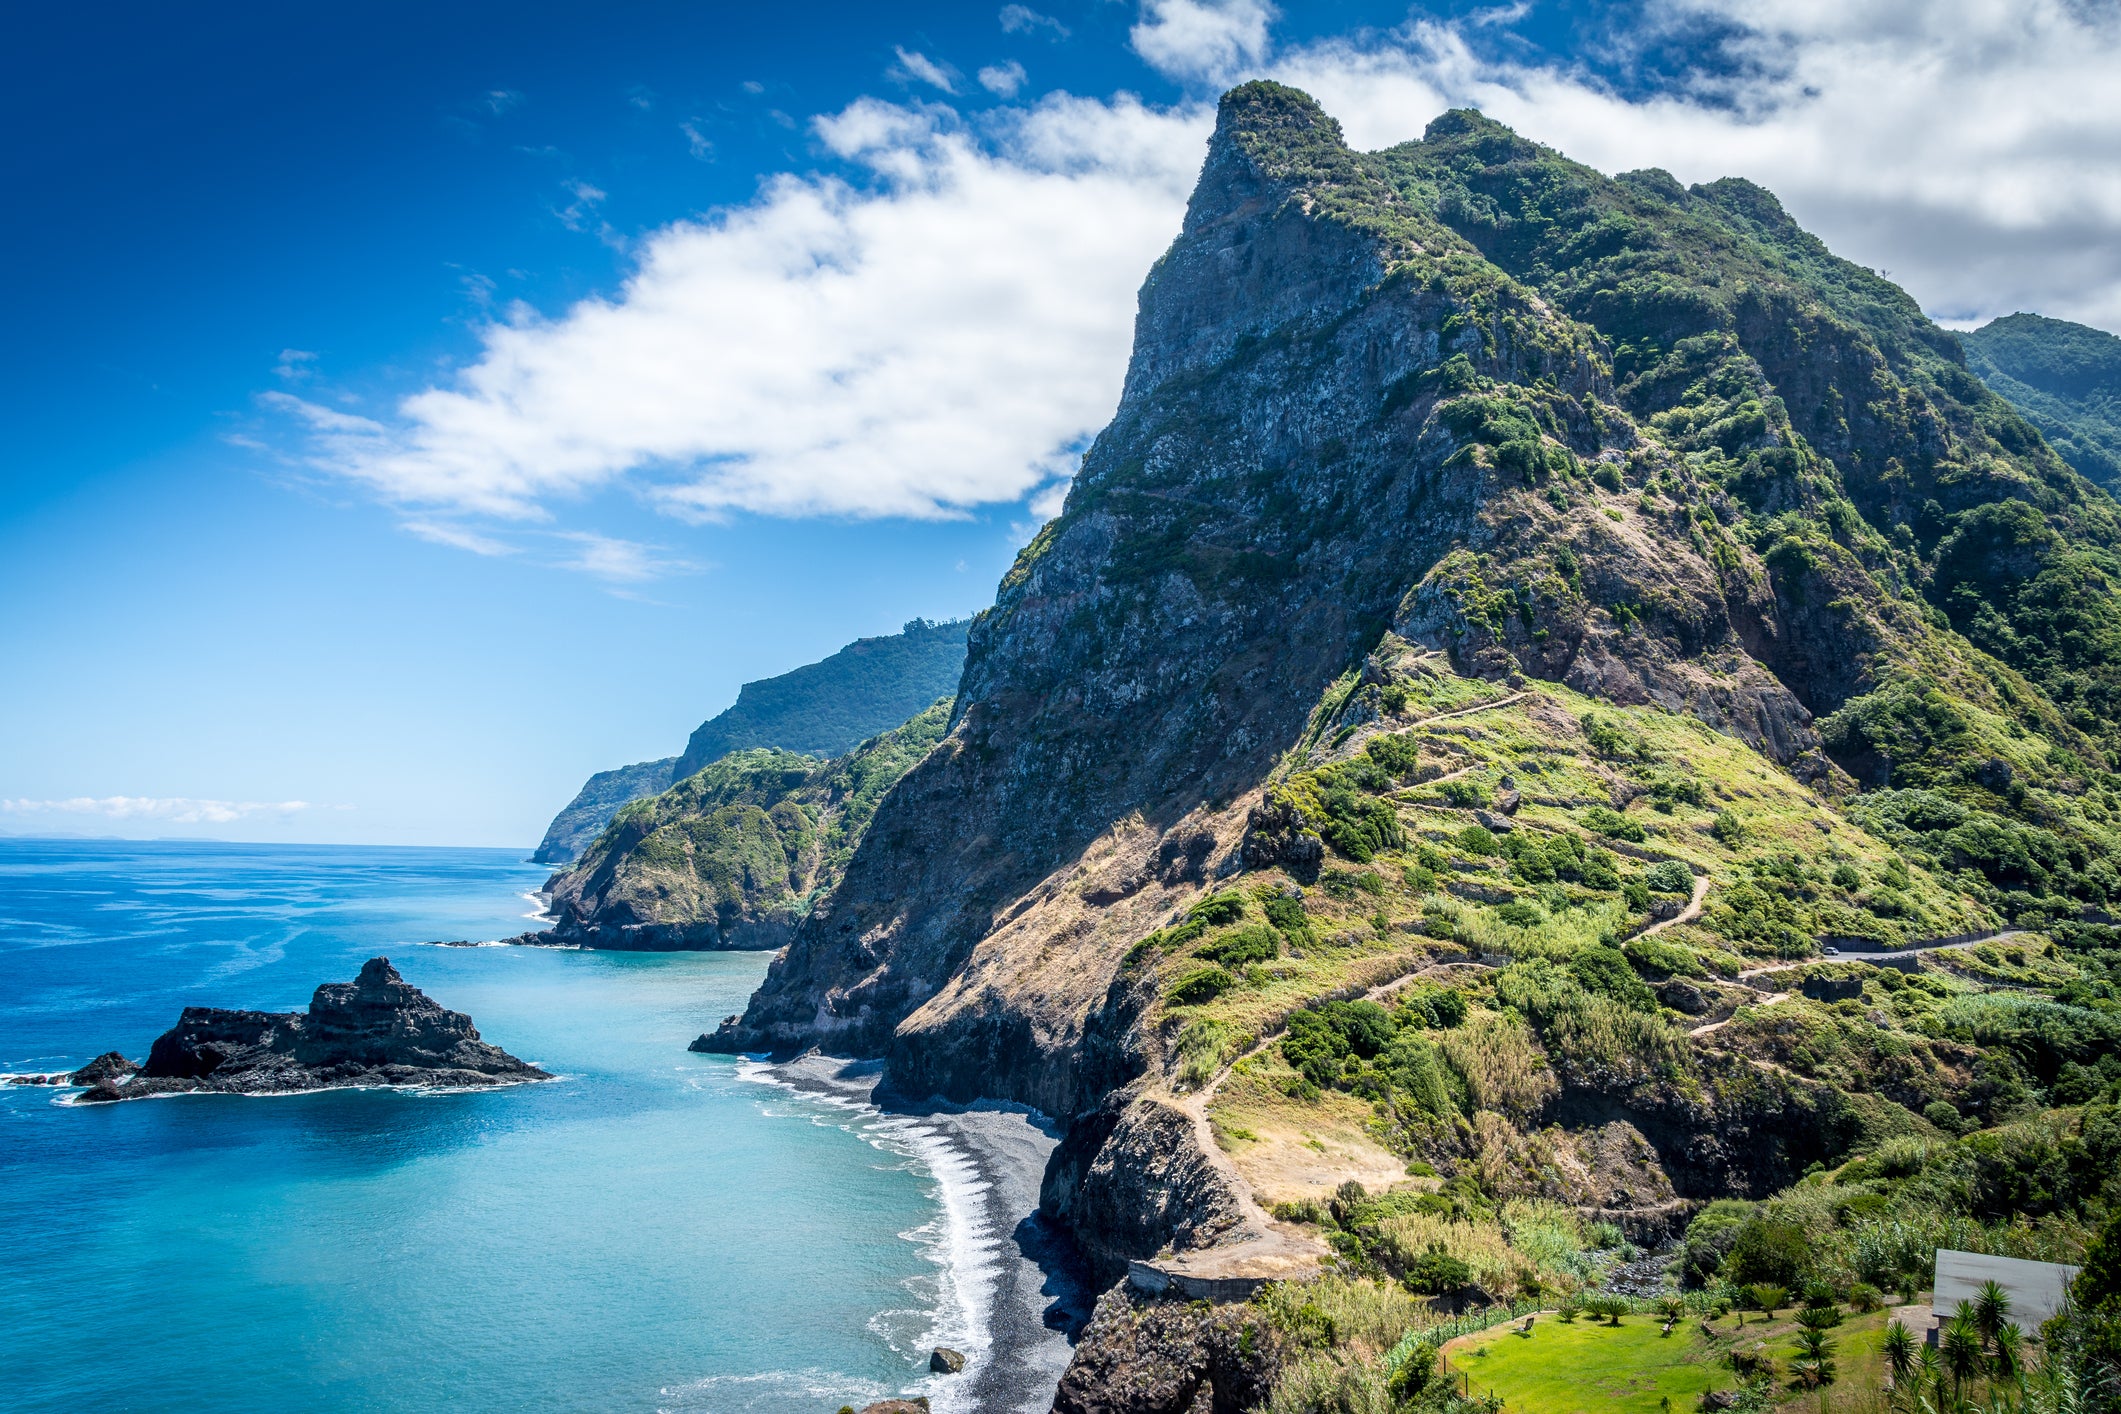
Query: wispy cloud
{"points": [[1022, 19], [621, 561], [501, 100], [918, 67], [295, 365], [697, 142], [458, 537], [175, 810]]}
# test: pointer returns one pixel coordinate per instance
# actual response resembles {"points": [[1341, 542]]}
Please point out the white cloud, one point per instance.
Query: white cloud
{"points": [[916, 66], [948, 330], [697, 142], [501, 100], [175, 810], [1003, 79], [1202, 40], [1968, 146], [947, 337], [1022, 19]]}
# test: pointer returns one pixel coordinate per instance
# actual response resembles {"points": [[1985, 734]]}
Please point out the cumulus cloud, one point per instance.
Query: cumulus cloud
{"points": [[1202, 40], [1967, 146], [1002, 79], [175, 810], [943, 337], [947, 326]]}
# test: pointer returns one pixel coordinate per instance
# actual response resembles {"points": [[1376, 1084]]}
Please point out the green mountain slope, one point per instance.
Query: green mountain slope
{"points": [[1554, 695], [2065, 378], [734, 855], [823, 708], [819, 709]]}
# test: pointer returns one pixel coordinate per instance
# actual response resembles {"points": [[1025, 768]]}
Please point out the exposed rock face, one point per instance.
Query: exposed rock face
{"points": [[1356, 409], [1141, 1356], [1131, 1179], [733, 855], [108, 1066], [378, 1029]]}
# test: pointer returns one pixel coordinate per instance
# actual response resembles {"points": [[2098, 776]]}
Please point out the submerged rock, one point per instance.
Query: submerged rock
{"points": [[378, 1029]]}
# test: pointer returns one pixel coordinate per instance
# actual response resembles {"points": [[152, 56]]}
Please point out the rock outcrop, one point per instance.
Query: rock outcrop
{"points": [[377, 1030]]}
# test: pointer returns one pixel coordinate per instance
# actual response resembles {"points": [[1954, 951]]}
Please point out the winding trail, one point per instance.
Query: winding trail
{"points": [[1469, 711], [1688, 914], [1881, 959]]}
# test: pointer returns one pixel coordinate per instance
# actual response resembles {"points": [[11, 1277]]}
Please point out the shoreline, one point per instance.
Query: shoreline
{"points": [[1011, 1293]]}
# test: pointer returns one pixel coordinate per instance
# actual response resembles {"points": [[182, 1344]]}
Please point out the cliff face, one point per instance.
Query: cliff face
{"points": [[827, 707], [820, 709], [1460, 427], [585, 817], [1339, 418], [733, 855]]}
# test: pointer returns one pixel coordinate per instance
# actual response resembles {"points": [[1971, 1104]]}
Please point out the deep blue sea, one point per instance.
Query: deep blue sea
{"points": [[655, 1231]]}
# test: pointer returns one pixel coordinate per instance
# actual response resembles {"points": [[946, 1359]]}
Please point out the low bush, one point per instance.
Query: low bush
{"points": [[1253, 943], [1202, 984]]}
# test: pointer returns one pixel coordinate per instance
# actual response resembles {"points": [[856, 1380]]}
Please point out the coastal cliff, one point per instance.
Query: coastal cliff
{"points": [[826, 708], [1503, 590], [733, 855], [377, 1030]]}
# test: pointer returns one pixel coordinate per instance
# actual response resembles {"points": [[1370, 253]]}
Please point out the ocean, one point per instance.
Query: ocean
{"points": [[655, 1230]]}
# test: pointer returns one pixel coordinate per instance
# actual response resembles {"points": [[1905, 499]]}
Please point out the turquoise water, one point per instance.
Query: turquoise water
{"points": [[653, 1231]]}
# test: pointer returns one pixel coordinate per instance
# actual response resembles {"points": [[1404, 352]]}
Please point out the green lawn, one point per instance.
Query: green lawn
{"points": [[1588, 1367]]}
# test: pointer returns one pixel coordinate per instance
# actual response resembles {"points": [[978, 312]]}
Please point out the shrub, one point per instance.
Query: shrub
{"points": [[1478, 840], [1286, 913], [1611, 823], [1430, 1006], [1519, 914], [1253, 943], [1202, 984], [1218, 909], [1396, 754], [1435, 1273], [1769, 1252], [1465, 794], [1605, 971], [1728, 829], [1669, 877]]}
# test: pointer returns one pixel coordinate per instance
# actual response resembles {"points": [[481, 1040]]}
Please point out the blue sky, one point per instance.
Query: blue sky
{"points": [[413, 408]]}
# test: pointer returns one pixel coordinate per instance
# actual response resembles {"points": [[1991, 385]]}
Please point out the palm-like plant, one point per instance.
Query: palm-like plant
{"points": [[1899, 1347], [1929, 1375], [2007, 1351], [1815, 1357], [1965, 1352], [1992, 1306]]}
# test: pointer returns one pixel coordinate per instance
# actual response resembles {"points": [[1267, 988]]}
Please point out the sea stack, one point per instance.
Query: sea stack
{"points": [[378, 1029]]}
